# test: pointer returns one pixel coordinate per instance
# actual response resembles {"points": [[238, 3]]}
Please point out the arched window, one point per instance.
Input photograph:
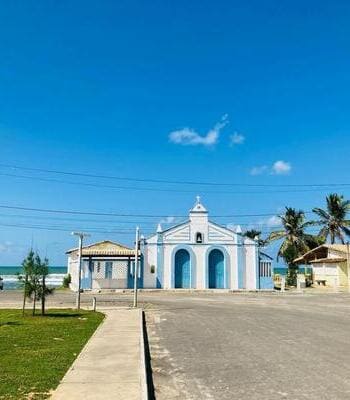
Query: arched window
{"points": [[199, 237]]}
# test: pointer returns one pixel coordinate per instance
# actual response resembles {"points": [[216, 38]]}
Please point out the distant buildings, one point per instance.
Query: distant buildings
{"points": [[329, 264], [195, 254]]}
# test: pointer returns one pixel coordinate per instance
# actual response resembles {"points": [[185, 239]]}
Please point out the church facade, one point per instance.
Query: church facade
{"points": [[195, 254], [200, 254]]}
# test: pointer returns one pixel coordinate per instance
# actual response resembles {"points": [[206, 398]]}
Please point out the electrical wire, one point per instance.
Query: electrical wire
{"points": [[175, 182]]}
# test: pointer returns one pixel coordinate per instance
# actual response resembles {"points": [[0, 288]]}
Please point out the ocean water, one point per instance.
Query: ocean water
{"points": [[283, 271], [10, 279]]}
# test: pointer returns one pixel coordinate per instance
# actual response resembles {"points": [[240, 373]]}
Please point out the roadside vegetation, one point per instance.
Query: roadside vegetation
{"points": [[33, 281], [36, 352], [66, 281], [333, 223]]}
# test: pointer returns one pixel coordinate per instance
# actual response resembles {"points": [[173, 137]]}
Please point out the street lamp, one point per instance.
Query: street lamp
{"points": [[81, 236], [138, 241]]}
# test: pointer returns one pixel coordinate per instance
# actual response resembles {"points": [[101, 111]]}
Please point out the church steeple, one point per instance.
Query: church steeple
{"points": [[198, 207], [198, 213]]}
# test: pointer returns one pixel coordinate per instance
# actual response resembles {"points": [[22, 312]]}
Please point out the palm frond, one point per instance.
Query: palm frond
{"points": [[321, 213], [310, 223], [276, 236]]}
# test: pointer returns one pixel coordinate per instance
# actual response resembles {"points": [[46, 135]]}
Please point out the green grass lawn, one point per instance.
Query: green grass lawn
{"points": [[36, 352]]}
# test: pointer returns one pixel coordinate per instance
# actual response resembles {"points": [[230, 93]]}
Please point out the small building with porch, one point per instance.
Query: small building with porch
{"points": [[105, 265], [330, 264]]}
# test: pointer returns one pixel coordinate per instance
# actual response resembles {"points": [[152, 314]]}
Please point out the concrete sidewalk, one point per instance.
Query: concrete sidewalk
{"points": [[111, 365]]}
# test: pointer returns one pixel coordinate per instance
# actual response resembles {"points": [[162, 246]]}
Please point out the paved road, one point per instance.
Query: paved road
{"points": [[251, 347], [241, 346]]}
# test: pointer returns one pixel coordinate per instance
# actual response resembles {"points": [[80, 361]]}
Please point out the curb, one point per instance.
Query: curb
{"points": [[143, 369]]}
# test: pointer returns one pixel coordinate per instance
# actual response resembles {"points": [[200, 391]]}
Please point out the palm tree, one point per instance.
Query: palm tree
{"points": [[333, 219], [295, 241], [255, 235]]}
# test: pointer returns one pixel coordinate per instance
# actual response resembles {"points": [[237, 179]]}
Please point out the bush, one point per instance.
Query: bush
{"points": [[66, 281], [291, 279]]}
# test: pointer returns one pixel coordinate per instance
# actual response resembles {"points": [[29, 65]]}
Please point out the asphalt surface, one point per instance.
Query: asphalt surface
{"points": [[240, 346], [251, 347]]}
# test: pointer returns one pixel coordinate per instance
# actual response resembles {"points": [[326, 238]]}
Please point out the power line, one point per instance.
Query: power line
{"points": [[73, 212], [108, 214], [105, 221], [174, 182], [148, 189], [67, 229], [113, 232]]}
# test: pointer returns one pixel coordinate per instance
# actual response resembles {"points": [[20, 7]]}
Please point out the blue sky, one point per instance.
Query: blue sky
{"points": [[196, 91]]}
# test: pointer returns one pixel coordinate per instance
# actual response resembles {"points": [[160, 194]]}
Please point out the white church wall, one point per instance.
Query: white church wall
{"points": [[200, 252], [150, 263], [167, 264], [213, 236], [250, 265], [233, 254]]}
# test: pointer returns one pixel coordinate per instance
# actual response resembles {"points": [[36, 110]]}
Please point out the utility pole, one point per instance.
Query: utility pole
{"points": [[81, 236], [258, 266], [348, 263], [136, 265]]}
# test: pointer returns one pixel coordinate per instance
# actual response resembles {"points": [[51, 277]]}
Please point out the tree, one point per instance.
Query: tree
{"points": [[256, 235], [43, 290], [295, 241], [28, 266], [34, 285], [334, 222]]}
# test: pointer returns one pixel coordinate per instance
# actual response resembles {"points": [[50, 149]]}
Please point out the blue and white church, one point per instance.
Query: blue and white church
{"points": [[195, 254], [201, 254]]}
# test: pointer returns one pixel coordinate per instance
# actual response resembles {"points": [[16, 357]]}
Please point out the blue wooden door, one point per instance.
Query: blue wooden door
{"points": [[216, 270], [86, 275], [182, 269], [131, 271], [108, 270]]}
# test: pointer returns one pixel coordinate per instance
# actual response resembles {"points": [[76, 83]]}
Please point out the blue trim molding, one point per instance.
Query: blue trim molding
{"points": [[240, 262], [160, 262], [257, 268], [227, 265], [193, 265]]}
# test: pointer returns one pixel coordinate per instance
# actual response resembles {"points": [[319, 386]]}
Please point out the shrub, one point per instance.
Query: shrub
{"points": [[66, 281]]}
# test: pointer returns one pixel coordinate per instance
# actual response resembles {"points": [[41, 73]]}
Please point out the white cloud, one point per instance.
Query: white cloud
{"points": [[231, 226], [273, 221], [278, 168], [270, 222], [236, 138], [188, 136], [259, 170], [168, 220], [234, 227], [6, 247], [281, 168]]}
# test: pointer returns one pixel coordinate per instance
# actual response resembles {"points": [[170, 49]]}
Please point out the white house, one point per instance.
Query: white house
{"points": [[195, 254], [330, 264], [105, 265]]}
